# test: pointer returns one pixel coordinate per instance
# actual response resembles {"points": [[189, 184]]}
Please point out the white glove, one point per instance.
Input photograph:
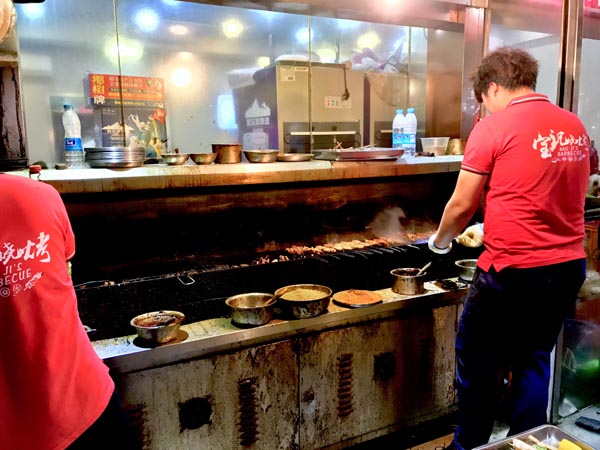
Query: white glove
{"points": [[435, 249], [472, 236]]}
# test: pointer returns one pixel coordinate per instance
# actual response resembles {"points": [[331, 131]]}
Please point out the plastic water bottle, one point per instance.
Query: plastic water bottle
{"points": [[410, 133], [397, 129], [74, 157]]}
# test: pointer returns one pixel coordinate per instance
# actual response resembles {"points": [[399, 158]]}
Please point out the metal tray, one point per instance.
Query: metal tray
{"points": [[370, 154], [548, 434]]}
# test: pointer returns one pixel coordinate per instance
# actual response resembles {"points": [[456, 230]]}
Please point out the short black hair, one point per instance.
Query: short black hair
{"points": [[509, 67]]}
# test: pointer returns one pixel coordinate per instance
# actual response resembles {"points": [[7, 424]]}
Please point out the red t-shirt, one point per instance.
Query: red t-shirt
{"points": [[537, 158], [53, 385]]}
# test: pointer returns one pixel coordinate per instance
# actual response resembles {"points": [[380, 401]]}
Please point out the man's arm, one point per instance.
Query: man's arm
{"points": [[460, 208]]}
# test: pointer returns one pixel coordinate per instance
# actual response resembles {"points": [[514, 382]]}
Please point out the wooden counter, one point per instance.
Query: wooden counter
{"points": [[159, 176]]}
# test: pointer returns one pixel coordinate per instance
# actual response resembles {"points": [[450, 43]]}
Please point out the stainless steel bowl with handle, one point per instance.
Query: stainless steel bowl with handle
{"points": [[252, 309], [408, 281], [158, 327]]}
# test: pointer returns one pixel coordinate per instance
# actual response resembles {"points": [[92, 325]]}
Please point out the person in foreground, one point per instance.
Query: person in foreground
{"points": [[56, 391], [530, 159]]}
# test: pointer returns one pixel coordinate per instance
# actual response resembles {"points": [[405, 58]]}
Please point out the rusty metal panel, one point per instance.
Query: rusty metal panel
{"points": [[247, 399], [360, 379]]}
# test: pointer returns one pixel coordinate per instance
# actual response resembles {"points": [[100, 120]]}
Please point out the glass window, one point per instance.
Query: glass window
{"points": [[187, 75], [534, 29]]}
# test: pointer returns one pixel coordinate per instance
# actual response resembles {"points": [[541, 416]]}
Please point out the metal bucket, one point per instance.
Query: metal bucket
{"points": [[406, 281], [228, 153]]}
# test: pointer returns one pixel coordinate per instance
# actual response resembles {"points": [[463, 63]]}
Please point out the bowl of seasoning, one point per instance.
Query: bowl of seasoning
{"points": [[158, 327], [302, 301]]}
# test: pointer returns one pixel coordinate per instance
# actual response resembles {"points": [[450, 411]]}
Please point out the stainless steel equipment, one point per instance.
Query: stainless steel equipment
{"points": [[284, 110]]}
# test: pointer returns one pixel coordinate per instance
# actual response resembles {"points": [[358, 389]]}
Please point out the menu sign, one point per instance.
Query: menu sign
{"points": [[118, 90]]}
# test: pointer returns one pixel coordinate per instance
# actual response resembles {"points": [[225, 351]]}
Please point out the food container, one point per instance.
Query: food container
{"points": [[175, 159], [158, 327], [228, 153], [456, 146], [261, 156], [466, 269], [203, 158], [435, 145], [547, 434], [252, 309], [302, 301], [406, 281]]}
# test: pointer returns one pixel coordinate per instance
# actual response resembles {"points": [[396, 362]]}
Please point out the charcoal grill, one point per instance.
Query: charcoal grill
{"points": [[201, 293]]}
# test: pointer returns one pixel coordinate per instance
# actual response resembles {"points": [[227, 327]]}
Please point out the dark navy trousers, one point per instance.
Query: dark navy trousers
{"points": [[511, 320]]}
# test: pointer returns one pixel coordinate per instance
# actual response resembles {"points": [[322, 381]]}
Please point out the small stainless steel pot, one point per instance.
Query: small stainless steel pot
{"points": [[406, 281], [252, 309], [158, 327]]}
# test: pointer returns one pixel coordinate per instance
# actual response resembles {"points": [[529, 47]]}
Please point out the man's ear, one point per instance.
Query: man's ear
{"points": [[493, 89]]}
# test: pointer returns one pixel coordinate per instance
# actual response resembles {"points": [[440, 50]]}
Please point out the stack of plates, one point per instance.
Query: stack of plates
{"points": [[115, 157]]}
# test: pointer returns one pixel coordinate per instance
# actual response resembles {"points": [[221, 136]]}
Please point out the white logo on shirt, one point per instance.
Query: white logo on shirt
{"points": [[17, 275], [561, 147]]}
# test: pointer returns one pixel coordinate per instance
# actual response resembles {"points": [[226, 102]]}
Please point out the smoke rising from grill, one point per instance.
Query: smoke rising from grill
{"points": [[392, 224]]}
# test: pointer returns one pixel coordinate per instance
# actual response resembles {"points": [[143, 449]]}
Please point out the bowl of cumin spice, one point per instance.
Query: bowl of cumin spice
{"points": [[302, 301]]}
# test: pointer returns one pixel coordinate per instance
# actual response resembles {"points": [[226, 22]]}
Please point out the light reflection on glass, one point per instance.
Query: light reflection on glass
{"points": [[33, 11], [232, 28], [129, 50], [327, 55], [181, 77], [368, 40], [263, 61], [178, 30], [185, 55], [345, 24], [302, 35], [146, 19]]}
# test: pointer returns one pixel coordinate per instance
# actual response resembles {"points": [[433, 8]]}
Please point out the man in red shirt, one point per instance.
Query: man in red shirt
{"points": [[55, 392], [530, 159]]}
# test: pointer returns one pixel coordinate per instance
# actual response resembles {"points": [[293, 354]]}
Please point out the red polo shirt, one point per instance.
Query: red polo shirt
{"points": [[537, 158], [53, 385]]}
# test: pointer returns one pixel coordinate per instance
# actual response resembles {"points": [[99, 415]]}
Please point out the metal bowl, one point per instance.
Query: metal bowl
{"points": [[251, 309], [203, 158], [261, 156], [175, 159], [466, 268], [158, 326], [406, 281], [302, 301], [295, 157]]}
